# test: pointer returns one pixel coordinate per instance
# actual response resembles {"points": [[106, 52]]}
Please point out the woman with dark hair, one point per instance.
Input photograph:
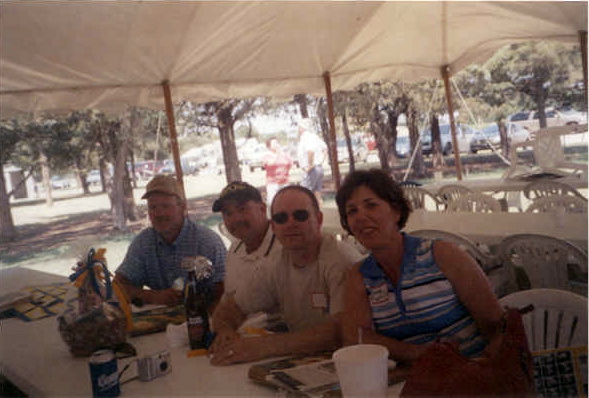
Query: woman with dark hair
{"points": [[410, 291]]}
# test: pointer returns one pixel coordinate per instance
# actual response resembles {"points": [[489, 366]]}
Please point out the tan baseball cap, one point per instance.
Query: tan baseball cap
{"points": [[164, 184]]}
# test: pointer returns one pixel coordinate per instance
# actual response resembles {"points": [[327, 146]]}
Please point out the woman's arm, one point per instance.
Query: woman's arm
{"points": [[473, 289], [357, 325]]}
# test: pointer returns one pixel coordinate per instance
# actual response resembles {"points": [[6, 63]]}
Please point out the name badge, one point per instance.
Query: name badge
{"points": [[319, 300], [379, 294]]}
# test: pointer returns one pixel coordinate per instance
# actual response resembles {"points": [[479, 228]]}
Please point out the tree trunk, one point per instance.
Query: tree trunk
{"points": [[418, 163], [348, 141], [129, 200], [117, 193], [46, 174], [504, 138], [227, 134], [301, 99], [122, 202], [7, 228], [436, 147], [393, 121], [82, 176], [382, 143], [541, 102]]}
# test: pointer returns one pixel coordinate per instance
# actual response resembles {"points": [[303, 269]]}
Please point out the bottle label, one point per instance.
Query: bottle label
{"points": [[196, 332]]}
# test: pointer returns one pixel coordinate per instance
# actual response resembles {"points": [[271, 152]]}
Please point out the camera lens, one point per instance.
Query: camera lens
{"points": [[163, 366]]}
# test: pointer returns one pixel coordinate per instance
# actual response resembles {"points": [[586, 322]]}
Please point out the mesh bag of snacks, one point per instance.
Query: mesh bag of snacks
{"points": [[97, 313]]}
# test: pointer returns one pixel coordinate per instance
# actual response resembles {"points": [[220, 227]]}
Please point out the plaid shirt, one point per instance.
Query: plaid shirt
{"points": [[152, 262]]}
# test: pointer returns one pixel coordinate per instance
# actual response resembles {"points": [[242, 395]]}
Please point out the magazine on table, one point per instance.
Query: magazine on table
{"points": [[307, 375]]}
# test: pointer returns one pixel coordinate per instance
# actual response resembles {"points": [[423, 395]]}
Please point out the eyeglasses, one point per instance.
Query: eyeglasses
{"points": [[298, 215]]}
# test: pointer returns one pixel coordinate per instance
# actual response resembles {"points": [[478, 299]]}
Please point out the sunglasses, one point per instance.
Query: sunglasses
{"points": [[298, 215]]}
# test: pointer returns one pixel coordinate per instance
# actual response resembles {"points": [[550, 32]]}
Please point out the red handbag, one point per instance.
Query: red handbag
{"points": [[442, 370]]}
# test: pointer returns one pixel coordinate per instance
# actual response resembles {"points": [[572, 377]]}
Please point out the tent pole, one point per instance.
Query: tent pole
{"points": [[173, 137], [332, 145], [583, 45], [456, 149]]}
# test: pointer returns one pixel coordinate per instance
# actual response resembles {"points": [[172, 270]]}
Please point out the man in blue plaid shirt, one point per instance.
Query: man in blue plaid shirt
{"points": [[153, 258]]}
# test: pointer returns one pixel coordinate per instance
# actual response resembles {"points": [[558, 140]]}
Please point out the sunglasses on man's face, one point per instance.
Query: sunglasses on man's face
{"points": [[298, 215]]}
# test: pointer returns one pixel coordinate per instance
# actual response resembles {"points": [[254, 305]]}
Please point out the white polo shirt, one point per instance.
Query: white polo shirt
{"points": [[241, 266]]}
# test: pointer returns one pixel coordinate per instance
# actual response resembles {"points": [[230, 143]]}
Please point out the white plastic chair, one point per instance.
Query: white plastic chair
{"points": [[501, 278], [548, 154], [474, 202], [544, 188], [451, 192], [558, 319], [552, 204], [549, 262], [421, 198]]}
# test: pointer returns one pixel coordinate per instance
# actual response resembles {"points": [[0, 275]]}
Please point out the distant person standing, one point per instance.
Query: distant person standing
{"points": [[277, 164], [311, 154]]}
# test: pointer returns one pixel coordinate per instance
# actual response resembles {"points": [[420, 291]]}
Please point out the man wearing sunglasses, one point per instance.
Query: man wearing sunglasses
{"points": [[303, 280]]}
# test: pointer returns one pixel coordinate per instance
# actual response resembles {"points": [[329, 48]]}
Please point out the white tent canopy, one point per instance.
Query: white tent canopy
{"points": [[63, 55]]}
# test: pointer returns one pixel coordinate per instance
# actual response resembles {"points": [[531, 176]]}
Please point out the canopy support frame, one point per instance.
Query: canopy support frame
{"points": [[173, 135], [332, 145]]}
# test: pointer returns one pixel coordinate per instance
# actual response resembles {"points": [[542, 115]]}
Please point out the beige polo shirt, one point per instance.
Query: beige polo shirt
{"points": [[305, 296]]}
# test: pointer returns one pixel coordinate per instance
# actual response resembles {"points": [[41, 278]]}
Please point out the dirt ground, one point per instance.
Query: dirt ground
{"points": [[50, 238]]}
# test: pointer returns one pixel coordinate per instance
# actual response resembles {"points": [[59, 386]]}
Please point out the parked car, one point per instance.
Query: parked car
{"points": [[464, 134], [403, 146], [93, 177], [60, 182], [358, 147], [531, 119], [490, 134], [168, 168]]}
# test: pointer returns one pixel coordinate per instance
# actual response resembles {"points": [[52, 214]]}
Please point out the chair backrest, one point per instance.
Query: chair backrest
{"points": [[474, 202], [558, 320], [450, 192], [543, 188], [551, 204], [548, 151], [421, 198], [547, 261], [485, 259]]}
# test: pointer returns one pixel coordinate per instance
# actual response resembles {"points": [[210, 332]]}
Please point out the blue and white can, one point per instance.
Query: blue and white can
{"points": [[104, 374]]}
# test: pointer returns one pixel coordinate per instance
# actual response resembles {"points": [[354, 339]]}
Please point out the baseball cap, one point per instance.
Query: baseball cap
{"points": [[239, 190], [165, 184]]}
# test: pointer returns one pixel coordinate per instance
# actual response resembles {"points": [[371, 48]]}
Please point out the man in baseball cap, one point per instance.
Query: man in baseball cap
{"points": [[239, 191], [155, 255], [245, 218], [163, 184]]}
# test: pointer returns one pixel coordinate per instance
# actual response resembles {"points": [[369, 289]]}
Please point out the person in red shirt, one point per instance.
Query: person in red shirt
{"points": [[277, 164]]}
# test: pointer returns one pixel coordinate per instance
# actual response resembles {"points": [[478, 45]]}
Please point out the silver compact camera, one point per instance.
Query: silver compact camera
{"points": [[152, 366]]}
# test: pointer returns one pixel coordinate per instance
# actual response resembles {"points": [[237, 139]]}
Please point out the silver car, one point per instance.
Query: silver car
{"points": [[489, 136]]}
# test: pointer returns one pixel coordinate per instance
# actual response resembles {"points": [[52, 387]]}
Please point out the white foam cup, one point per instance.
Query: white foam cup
{"points": [[362, 370]]}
